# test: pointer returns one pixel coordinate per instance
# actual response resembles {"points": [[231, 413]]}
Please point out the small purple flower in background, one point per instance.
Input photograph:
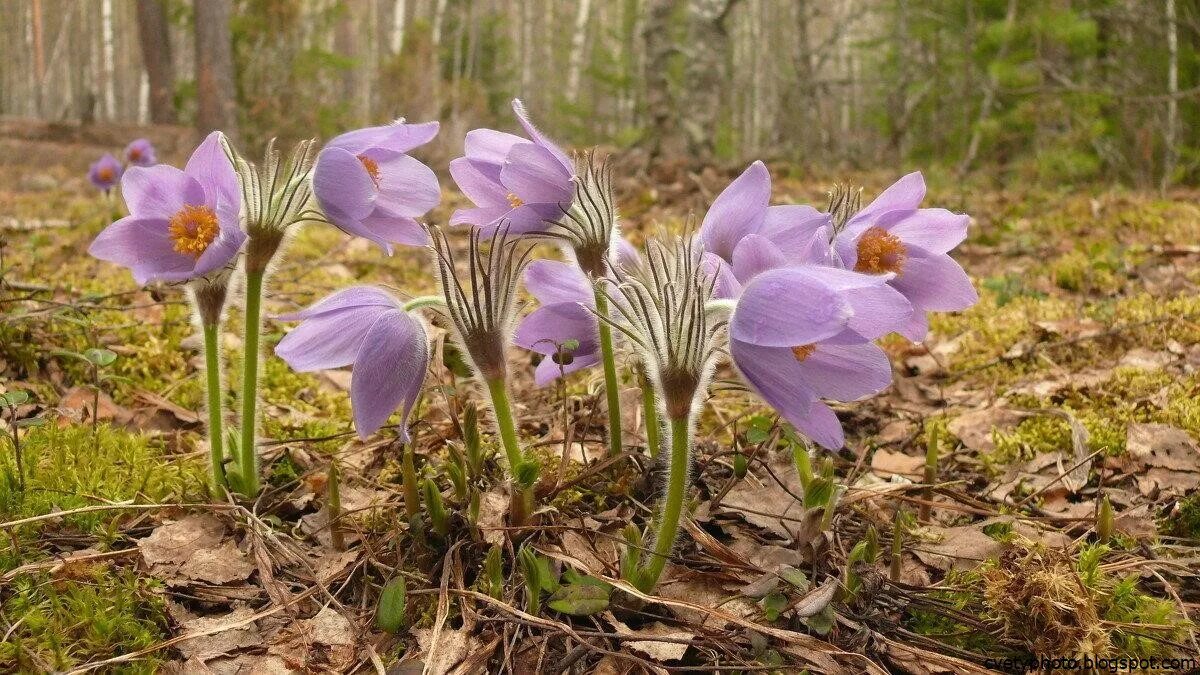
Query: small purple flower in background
{"points": [[744, 231], [181, 224], [510, 179], [366, 328], [894, 236], [369, 186], [141, 153], [105, 172], [566, 315], [803, 333]]}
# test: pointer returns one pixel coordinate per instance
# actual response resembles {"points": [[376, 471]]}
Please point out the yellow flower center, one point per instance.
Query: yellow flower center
{"points": [[802, 352], [105, 174], [879, 252], [514, 200], [192, 229], [372, 168]]}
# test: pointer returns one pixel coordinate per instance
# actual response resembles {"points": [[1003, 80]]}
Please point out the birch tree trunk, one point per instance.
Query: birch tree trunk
{"points": [[106, 33], [399, 17], [661, 104], [1170, 138], [578, 40], [154, 36], [216, 97]]}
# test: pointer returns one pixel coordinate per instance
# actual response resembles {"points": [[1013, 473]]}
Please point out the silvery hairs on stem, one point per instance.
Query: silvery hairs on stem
{"points": [[661, 307], [588, 226], [275, 196], [845, 200], [483, 314]]}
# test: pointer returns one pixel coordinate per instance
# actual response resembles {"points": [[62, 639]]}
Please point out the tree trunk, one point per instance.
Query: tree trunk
{"points": [[661, 104], [1170, 137], [154, 35], [108, 56], [216, 96], [578, 40]]}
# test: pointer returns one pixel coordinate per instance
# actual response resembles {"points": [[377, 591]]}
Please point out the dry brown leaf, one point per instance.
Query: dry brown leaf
{"points": [[1146, 359], [220, 565], [326, 642], [176, 542], [206, 647], [975, 428], [453, 646], [962, 548], [1166, 460], [493, 507], [886, 463], [654, 649]]}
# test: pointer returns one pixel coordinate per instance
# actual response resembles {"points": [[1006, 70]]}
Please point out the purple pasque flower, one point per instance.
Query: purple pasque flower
{"points": [[369, 186], [894, 236], [181, 224], [524, 183], [566, 315], [140, 152], [741, 217], [105, 172], [802, 333], [367, 329]]}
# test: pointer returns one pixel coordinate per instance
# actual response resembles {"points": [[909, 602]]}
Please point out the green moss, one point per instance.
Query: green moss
{"points": [[95, 614], [1184, 521], [68, 468]]}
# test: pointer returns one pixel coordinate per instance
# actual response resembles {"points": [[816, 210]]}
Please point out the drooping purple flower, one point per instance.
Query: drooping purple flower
{"points": [[741, 219], [893, 235], [566, 315], [181, 224], [367, 329], [799, 334], [521, 182], [369, 186], [140, 152], [105, 172]]}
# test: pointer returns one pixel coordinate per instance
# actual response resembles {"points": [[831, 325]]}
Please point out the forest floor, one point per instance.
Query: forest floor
{"points": [[1076, 377]]}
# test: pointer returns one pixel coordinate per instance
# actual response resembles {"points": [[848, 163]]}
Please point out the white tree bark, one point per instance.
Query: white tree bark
{"points": [[578, 40], [398, 19], [1170, 138], [110, 89]]}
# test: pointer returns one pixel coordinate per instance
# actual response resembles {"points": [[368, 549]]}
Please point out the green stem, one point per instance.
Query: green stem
{"points": [[611, 389], [408, 473], [216, 431], [522, 499], [672, 507], [249, 452], [504, 420], [424, 301], [650, 412]]}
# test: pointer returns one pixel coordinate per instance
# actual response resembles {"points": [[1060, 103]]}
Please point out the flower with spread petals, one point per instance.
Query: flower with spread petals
{"points": [[367, 329], [524, 183], [894, 236], [181, 224], [369, 186], [799, 334], [742, 230], [140, 152], [566, 315], [105, 172]]}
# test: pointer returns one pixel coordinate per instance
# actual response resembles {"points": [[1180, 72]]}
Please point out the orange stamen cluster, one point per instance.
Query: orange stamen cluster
{"points": [[192, 229], [372, 168], [105, 174], [802, 352], [134, 154], [879, 252], [514, 200]]}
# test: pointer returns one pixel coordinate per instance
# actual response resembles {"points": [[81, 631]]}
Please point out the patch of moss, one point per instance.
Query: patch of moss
{"points": [[94, 614], [68, 468], [1184, 520]]}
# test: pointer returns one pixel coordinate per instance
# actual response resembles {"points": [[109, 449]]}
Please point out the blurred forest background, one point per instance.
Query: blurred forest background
{"points": [[1049, 91]]}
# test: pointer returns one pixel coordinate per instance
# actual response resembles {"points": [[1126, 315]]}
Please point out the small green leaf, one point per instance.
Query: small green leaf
{"points": [[581, 599], [773, 604], [391, 615], [547, 577], [821, 622], [454, 361], [818, 492], [100, 357], [526, 473], [794, 577], [14, 398]]}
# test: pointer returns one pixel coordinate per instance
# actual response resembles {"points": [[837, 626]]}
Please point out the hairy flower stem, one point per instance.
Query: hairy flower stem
{"points": [[522, 502], [611, 389], [650, 412], [216, 431], [672, 508], [248, 461]]}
